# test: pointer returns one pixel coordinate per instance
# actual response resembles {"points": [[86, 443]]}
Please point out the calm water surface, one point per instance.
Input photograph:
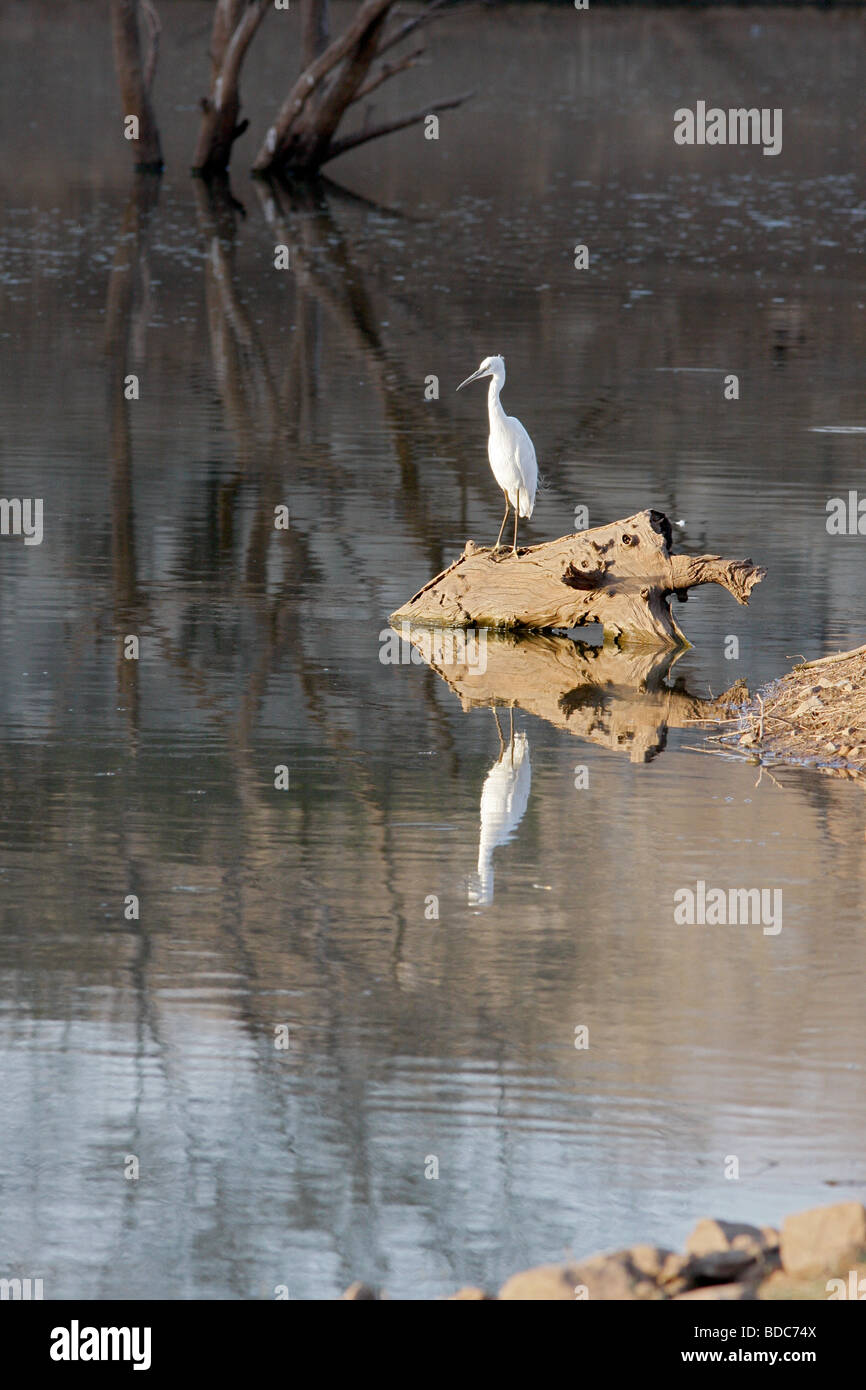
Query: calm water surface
{"points": [[412, 1037]]}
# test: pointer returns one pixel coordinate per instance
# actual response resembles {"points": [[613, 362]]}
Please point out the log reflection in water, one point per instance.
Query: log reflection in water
{"points": [[616, 698]]}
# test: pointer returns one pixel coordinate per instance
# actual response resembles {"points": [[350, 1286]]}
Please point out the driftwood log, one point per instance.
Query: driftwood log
{"points": [[620, 700], [621, 576]]}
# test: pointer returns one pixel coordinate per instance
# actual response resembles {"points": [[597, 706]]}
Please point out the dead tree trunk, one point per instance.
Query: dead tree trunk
{"points": [[234, 27], [303, 136], [621, 576], [135, 75]]}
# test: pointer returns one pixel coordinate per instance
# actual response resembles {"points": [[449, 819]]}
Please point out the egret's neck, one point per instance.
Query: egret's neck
{"points": [[485, 877], [494, 405]]}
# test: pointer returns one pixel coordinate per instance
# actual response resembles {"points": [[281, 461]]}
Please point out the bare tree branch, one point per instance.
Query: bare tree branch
{"points": [[339, 94], [314, 31], [302, 138], [241, 40], [235, 25], [369, 13], [433, 11], [350, 142], [387, 70], [154, 29], [226, 19], [134, 76]]}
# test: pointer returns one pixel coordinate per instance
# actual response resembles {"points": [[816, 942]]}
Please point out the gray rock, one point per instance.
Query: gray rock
{"points": [[719, 1267]]}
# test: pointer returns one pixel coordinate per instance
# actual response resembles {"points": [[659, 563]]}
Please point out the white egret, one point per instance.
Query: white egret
{"points": [[503, 802], [509, 448]]}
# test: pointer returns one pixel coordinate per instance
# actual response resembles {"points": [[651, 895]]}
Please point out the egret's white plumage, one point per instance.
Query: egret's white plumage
{"points": [[503, 802], [509, 448]]}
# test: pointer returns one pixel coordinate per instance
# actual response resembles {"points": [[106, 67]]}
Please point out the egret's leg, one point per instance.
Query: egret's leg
{"points": [[499, 731], [502, 527], [516, 513]]}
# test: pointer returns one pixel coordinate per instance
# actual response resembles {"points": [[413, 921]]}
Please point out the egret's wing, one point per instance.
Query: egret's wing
{"points": [[526, 465]]}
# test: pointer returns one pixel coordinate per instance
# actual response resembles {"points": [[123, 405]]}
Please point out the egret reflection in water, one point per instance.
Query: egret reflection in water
{"points": [[503, 802]]}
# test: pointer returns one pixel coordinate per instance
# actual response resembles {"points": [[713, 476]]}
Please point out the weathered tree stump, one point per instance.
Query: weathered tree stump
{"points": [[621, 576]]}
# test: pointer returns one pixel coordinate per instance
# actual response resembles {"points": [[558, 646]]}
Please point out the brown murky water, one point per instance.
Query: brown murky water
{"points": [[414, 1037]]}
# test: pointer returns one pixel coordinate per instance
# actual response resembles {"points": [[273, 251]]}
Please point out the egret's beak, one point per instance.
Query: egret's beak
{"points": [[473, 377]]}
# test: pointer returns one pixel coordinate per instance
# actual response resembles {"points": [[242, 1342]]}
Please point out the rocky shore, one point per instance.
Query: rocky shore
{"points": [[817, 1255]]}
